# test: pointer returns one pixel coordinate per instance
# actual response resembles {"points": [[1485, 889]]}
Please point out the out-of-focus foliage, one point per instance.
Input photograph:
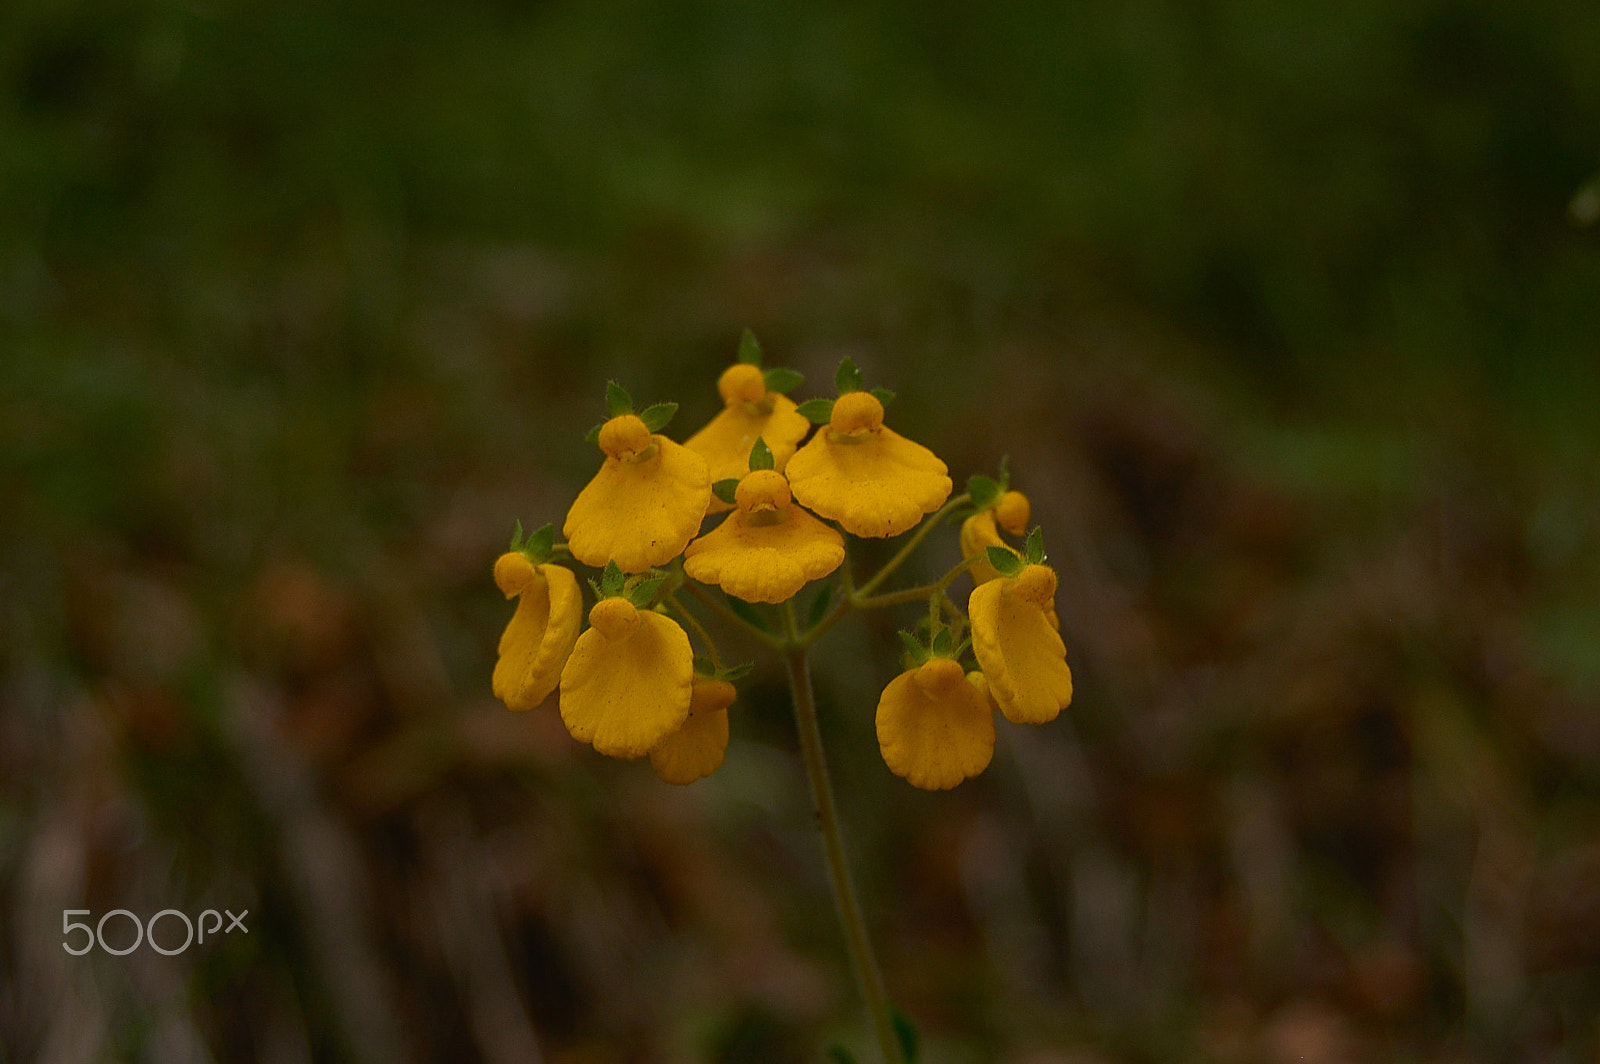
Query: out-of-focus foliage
{"points": [[1278, 309]]}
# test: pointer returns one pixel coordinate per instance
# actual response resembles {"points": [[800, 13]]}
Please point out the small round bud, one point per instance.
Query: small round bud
{"points": [[1036, 584], [624, 436], [855, 413], [1012, 512], [614, 618], [513, 572], [762, 489], [937, 675], [742, 383]]}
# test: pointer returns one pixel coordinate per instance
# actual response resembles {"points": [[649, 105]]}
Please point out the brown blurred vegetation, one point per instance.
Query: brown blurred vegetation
{"points": [[1276, 313]]}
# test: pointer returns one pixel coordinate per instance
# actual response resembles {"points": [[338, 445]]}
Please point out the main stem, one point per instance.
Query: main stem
{"points": [[855, 928]]}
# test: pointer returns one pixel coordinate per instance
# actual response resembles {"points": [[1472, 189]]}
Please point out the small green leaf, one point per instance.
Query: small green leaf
{"points": [[760, 455], [916, 653], [819, 605], [593, 435], [655, 417], [782, 379], [539, 544], [736, 672], [816, 411], [643, 593], [1005, 473], [749, 349], [882, 395], [618, 401], [704, 666], [840, 1055], [516, 536], [906, 1032], [595, 587], [611, 580], [724, 489], [1035, 548], [985, 492], [1005, 561], [848, 378], [943, 643], [748, 613]]}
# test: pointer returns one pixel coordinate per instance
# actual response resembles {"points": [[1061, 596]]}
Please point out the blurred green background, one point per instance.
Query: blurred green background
{"points": [[1286, 314]]}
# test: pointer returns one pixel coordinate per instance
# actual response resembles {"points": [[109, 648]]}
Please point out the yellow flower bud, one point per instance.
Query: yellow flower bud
{"points": [[855, 414], [614, 618], [741, 383], [1013, 512]]}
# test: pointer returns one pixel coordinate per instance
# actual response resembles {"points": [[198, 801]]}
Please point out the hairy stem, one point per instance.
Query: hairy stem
{"points": [[849, 907]]}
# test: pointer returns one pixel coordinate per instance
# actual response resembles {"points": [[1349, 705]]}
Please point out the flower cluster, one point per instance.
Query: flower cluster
{"points": [[632, 685]]}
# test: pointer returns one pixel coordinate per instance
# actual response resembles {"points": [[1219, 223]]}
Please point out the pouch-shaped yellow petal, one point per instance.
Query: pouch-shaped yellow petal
{"points": [[642, 508], [1020, 651], [540, 634], [751, 412], [766, 550], [866, 476], [696, 749], [625, 696], [934, 728], [978, 534]]}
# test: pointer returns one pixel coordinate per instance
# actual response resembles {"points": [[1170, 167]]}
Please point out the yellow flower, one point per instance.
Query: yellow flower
{"points": [[644, 505], [751, 412], [934, 728], [540, 634], [626, 686], [865, 476], [768, 548], [695, 750], [978, 532], [1018, 648]]}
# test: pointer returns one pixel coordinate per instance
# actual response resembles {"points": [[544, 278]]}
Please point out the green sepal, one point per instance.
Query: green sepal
{"points": [[618, 401], [593, 435], [760, 455], [611, 580], [724, 489], [538, 545], [819, 605], [840, 1055], [943, 644], [848, 378], [1005, 560], [906, 1032], [747, 613], [984, 492], [1034, 550], [816, 411], [1005, 473], [782, 379], [643, 593], [916, 653], [655, 417], [704, 666], [735, 672], [882, 395], [749, 349], [516, 536]]}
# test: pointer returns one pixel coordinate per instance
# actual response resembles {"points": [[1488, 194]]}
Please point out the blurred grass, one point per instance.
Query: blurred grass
{"points": [[1277, 308]]}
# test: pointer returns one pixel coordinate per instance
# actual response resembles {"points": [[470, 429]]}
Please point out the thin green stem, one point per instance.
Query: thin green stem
{"points": [[858, 945], [694, 624], [912, 544], [721, 609]]}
